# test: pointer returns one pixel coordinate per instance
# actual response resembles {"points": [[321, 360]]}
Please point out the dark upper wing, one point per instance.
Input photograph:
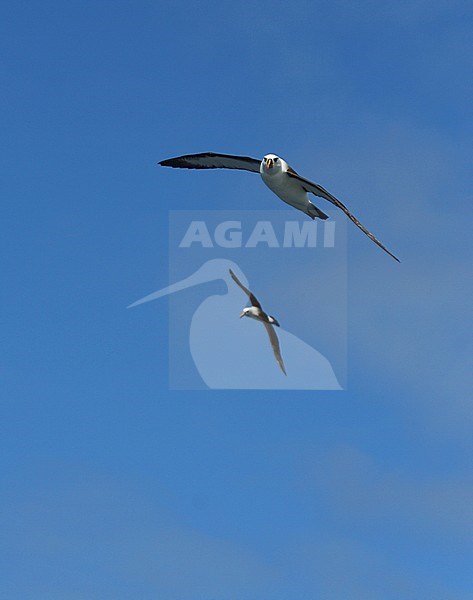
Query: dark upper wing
{"points": [[251, 296], [211, 160], [318, 190], [273, 338]]}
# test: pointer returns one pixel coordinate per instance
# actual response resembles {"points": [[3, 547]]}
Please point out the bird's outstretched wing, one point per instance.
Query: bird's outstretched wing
{"points": [[273, 338], [211, 160], [251, 296], [318, 190]]}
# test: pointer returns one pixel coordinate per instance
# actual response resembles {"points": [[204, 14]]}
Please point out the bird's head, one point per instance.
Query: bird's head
{"points": [[216, 268], [244, 312], [271, 164]]}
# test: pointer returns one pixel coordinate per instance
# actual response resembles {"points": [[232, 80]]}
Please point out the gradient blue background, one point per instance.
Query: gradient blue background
{"points": [[114, 487]]}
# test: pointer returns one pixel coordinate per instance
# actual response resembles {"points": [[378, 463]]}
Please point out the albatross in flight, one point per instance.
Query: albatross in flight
{"points": [[278, 176], [256, 312]]}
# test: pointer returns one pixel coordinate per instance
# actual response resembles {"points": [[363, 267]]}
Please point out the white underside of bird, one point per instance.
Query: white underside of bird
{"points": [[253, 312], [289, 190], [281, 179]]}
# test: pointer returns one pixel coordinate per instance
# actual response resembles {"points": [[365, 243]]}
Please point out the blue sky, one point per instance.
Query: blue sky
{"points": [[116, 487]]}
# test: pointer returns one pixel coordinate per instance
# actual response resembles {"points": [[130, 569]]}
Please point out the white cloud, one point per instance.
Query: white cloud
{"points": [[366, 492], [407, 323], [339, 568], [92, 534]]}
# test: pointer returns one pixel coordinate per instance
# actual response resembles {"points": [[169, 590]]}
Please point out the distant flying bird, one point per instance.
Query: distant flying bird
{"points": [[256, 312], [221, 350], [278, 176]]}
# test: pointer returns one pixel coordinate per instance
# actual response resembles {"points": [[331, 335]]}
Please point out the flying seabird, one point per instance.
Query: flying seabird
{"points": [[278, 176], [255, 311]]}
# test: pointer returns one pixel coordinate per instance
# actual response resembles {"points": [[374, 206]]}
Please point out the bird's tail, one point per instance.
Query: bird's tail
{"points": [[315, 212]]}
